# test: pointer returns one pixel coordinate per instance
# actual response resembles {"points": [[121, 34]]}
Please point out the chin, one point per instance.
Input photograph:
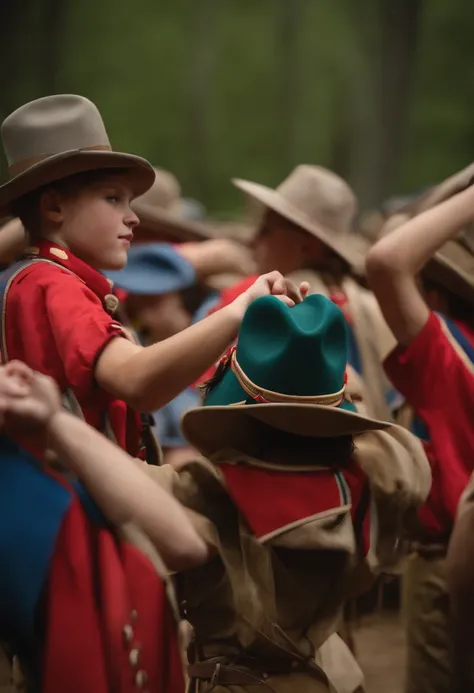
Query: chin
{"points": [[112, 263]]}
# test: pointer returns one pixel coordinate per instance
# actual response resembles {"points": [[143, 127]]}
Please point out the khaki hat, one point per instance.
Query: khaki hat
{"points": [[453, 264], [318, 201], [58, 136], [160, 211]]}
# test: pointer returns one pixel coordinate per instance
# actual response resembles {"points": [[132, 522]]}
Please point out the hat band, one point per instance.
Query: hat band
{"points": [[260, 394], [23, 165]]}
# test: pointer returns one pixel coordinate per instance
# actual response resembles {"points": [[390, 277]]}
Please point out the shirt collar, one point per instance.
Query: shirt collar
{"points": [[92, 278]]}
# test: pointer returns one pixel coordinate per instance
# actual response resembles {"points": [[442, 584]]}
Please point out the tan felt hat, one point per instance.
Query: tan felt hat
{"points": [[58, 136], [318, 201]]}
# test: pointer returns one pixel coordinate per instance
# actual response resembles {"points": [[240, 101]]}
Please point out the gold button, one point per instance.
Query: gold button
{"points": [[134, 657], [141, 677], [127, 633], [111, 303]]}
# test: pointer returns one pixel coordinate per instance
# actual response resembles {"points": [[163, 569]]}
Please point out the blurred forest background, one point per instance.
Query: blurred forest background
{"points": [[381, 91]]}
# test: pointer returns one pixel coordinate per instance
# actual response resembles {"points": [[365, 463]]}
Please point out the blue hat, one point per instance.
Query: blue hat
{"points": [[154, 269]]}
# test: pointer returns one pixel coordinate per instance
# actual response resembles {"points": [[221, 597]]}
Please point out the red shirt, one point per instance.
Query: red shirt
{"points": [[57, 323], [438, 382]]}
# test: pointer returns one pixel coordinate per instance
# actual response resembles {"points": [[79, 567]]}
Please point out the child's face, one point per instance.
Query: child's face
{"points": [[96, 222]]}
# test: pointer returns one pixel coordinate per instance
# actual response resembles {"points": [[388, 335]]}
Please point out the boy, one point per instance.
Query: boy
{"points": [[417, 269], [302, 499], [80, 606], [306, 233], [74, 202]]}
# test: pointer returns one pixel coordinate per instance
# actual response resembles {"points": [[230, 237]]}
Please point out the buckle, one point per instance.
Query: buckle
{"points": [[215, 675]]}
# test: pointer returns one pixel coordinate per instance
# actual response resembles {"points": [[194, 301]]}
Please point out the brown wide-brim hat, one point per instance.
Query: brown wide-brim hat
{"points": [[56, 137], [160, 211], [452, 266], [318, 201], [210, 429]]}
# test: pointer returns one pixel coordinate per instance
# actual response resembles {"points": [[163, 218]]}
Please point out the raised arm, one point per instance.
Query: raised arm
{"points": [[395, 261], [117, 483], [147, 378]]}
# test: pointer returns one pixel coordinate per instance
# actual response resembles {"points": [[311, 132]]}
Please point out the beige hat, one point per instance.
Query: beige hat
{"points": [[55, 137], [317, 200], [453, 265], [160, 211]]}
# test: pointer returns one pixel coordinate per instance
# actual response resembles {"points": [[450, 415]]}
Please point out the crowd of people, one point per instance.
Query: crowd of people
{"points": [[215, 435]]}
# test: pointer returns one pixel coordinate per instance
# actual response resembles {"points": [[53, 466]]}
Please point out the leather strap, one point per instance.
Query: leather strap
{"points": [[224, 674]]}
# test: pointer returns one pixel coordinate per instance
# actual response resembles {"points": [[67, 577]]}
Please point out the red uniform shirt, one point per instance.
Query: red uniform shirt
{"points": [[57, 323], [437, 380]]}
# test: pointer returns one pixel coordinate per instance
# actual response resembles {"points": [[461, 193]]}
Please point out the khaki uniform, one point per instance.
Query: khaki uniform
{"points": [[426, 614], [265, 611]]}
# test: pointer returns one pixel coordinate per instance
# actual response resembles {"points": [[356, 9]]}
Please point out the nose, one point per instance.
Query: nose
{"points": [[131, 220]]}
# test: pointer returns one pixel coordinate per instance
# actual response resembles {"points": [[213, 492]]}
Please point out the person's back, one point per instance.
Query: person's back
{"points": [[287, 509]]}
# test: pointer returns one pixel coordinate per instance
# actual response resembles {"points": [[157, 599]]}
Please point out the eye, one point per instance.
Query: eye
{"points": [[113, 198]]}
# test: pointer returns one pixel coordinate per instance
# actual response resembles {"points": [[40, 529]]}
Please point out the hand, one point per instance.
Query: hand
{"points": [[274, 284], [28, 400]]}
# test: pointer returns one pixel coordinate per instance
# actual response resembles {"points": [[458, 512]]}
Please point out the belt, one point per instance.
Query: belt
{"points": [[228, 673]]}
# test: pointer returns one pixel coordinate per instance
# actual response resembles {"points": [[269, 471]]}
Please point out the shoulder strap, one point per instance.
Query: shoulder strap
{"points": [[6, 280]]}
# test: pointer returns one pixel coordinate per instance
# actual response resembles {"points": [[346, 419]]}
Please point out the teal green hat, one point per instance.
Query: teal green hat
{"points": [[288, 371]]}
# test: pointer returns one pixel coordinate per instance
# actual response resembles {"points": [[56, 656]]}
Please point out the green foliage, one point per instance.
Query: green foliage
{"points": [[230, 93]]}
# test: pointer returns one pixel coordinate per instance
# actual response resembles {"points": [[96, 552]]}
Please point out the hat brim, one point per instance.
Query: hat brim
{"points": [[273, 200], [156, 220], [214, 428], [453, 268], [65, 164]]}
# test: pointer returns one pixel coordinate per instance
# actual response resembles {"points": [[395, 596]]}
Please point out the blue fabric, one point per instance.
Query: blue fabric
{"points": [[154, 269], [33, 506], [168, 419], [207, 305]]}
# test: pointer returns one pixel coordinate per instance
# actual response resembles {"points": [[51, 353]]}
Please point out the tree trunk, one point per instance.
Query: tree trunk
{"points": [[289, 21], [385, 58], [201, 84], [52, 16]]}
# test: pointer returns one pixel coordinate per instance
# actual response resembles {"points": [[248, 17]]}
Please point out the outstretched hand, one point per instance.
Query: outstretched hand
{"points": [[28, 400]]}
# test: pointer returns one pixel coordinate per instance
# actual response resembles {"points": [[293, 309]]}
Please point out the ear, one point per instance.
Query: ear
{"points": [[50, 206]]}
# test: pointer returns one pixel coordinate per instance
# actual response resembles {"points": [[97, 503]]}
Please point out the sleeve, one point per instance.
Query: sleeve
{"points": [[437, 380], [80, 326]]}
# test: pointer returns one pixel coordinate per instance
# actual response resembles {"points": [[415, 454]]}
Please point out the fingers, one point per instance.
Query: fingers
{"points": [[304, 289], [285, 299], [11, 386], [20, 370]]}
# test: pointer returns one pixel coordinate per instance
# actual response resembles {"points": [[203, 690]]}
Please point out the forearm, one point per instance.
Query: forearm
{"points": [[407, 249], [149, 378], [124, 492]]}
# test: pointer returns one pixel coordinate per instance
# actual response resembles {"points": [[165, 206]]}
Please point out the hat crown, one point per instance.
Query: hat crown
{"points": [[52, 125], [300, 351], [165, 192], [321, 196]]}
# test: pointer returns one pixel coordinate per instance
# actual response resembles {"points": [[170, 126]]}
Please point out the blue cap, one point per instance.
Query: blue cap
{"points": [[154, 269]]}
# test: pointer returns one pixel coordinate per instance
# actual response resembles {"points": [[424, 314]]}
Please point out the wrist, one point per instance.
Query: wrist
{"points": [[55, 425], [237, 309]]}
